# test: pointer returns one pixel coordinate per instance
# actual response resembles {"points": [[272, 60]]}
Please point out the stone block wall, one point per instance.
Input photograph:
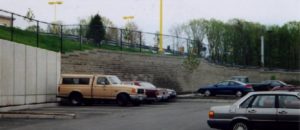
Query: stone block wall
{"points": [[163, 71]]}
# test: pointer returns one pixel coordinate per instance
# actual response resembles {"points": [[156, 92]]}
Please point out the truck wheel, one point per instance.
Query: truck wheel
{"points": [[122, 100], [136, 103], [75, 99], [88, 102]]}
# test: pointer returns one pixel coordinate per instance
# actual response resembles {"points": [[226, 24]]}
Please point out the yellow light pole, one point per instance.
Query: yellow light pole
{"points": [[161, 27], [55, 3]]}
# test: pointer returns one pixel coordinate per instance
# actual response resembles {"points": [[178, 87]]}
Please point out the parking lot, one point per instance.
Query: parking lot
{"points": [[183, 114]]}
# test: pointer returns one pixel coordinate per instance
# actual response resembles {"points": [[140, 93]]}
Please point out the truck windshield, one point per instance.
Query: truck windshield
{"points": [[114, 80], [147, 85]]}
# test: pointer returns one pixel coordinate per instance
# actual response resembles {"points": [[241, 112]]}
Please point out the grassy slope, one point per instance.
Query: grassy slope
{"points": [[53, 42]]}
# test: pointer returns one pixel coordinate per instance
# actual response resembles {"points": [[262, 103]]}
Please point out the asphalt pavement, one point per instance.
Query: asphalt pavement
{"points": [[184, 114]]}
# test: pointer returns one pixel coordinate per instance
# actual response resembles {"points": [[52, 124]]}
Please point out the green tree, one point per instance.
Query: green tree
{"points": [[96, 30], [196, 30], [131, 33], [190, 64]]}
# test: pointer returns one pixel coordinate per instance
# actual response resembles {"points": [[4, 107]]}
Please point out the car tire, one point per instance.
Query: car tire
{"points": [[240, 126], [239, 93], [136, 103], [75, 99], [122, 100], [207, 93]]}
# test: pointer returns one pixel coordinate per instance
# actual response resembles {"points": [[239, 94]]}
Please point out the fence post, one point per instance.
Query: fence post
{"points": [[80, 36], [188, 46], [61, 38], [12, 27], [121, 39], [37, 33], [140, 41]]}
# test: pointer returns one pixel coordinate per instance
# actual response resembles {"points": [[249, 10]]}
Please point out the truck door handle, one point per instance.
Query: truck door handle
{"points": [[282, 112], [252, 111]]}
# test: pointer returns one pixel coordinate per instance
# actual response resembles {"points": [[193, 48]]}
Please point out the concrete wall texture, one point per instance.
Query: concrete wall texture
{"points": [[28, 75], [164, 71]]}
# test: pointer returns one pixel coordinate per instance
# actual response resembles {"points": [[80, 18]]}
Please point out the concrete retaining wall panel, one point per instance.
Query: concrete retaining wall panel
{"points": [[30, 99], [31, 74], [20, 70], [19, 100], [1, 70], [24, 77], [7, 80], [51, 78], [41, 71], [41, 98]]}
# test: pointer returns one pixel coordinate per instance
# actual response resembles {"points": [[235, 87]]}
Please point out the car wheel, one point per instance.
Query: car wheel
{"points": [[75, 99], [240, 126], [122, 100], [136, 103], [238, 94], [207, 93]]}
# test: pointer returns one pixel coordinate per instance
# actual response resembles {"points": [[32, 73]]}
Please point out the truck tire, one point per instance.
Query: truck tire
{"points": [[75, 99], [88, 102], [123, 100], [136, 103]]}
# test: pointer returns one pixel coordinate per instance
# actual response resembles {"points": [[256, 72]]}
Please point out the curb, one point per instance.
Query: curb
{"points": [[29, 106], [205, 100], [33, 115]]}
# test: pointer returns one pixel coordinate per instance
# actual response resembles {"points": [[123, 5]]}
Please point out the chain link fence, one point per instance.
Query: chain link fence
{"points": [[66, 38]]}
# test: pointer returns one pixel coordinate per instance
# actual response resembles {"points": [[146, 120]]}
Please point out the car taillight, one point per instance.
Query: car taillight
{"points": [[211, 114], [248, 86], [133, 90]]}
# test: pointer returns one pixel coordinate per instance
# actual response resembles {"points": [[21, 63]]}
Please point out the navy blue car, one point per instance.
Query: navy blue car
{"points": [[228, 87]]}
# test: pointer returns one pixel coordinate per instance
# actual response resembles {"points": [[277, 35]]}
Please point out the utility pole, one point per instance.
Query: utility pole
{"points": [[55, 3], [262, 51], [161, 27]]}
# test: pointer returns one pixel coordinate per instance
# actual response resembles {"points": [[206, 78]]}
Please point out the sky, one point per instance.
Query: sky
{"points": [[146, 12]]}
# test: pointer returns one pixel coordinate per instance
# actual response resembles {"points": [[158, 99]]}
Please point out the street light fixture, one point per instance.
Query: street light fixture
{"points": [[128, 18], [55, 3]]}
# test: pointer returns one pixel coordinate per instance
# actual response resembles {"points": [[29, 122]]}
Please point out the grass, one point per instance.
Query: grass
{"points": [[53, 42], [49, 42]]}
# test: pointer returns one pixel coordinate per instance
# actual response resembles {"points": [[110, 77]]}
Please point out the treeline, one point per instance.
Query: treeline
{"points": [[238, 42]]}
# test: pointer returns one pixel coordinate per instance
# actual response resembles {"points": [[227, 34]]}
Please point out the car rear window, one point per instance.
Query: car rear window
{"points": [[76, 81], [289, 101]]}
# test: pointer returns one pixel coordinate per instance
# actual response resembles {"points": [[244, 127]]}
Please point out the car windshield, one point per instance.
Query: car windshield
{"points": [[147, 85], [283, 83], [114, 80], [274, 81]]}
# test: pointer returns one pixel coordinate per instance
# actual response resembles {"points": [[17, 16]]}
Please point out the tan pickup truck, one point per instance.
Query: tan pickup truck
{"points": [[79, 88]]}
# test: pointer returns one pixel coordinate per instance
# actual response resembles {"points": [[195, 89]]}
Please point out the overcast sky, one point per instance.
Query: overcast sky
{"points": [[146, 12]]}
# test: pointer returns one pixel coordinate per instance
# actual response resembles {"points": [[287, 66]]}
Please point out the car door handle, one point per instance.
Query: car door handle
{"points": [[282, 112], [252, 111]]}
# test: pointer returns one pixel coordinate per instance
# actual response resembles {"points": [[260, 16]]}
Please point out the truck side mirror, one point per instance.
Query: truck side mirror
{"points": [[102, 83]]}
